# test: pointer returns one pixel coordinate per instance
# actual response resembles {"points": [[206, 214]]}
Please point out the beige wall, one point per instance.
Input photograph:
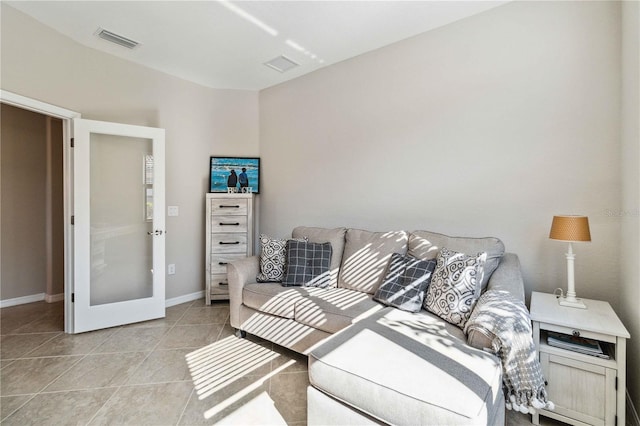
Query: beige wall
{"points": [[32, 227], [40, 63], [630, 206], [488, 126], [23, 224]]}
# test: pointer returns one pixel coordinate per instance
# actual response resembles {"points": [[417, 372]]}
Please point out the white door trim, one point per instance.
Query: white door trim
{"points": [[66, 116]]}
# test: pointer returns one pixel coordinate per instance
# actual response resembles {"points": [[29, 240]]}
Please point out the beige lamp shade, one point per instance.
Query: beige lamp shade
{"points": [[570, 228]]}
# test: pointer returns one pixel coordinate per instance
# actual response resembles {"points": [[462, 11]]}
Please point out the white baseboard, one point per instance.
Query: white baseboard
{"points": [[51, 298], [184, 299], [632, 417], [22, 300]]}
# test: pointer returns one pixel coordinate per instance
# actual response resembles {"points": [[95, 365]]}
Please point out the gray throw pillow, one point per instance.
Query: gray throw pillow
{"points": [[455, 285], [307, 264], [405, 283], [334, 236]]}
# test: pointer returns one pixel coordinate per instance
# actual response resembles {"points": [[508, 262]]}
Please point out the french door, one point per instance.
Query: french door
{"points": [[119, 224]]}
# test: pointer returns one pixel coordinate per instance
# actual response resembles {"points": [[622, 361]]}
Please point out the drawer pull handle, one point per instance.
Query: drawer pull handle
{"points": [[229, 243], [223, 283], [222, 263], [229, 207], [229, 223], [576, 333]]}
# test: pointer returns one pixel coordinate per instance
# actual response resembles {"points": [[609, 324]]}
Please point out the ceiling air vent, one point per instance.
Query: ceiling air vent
{"points": [[117, 39], [281, 63]]}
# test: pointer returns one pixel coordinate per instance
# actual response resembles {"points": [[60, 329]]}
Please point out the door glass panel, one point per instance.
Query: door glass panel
{"points": [[121, 217]]}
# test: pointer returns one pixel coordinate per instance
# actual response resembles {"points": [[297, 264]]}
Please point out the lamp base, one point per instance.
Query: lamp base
{"points": [[575, 303]]}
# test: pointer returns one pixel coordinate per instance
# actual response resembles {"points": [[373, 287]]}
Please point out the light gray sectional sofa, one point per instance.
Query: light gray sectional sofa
{"points": [[370, 363]]}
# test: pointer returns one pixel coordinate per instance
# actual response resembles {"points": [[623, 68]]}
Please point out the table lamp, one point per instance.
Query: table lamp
{"points": [[571, 229]]}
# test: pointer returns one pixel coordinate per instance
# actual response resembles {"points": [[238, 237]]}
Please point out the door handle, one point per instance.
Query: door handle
{"points": [[156, 232]]}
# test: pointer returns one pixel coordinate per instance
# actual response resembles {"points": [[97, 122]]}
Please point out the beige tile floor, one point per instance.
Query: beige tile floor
{"points": [[157, 372], [185, 369]]}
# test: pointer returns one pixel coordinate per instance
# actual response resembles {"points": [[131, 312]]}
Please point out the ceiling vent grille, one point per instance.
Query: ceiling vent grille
{"points": [[116, 38], [281, 63]]}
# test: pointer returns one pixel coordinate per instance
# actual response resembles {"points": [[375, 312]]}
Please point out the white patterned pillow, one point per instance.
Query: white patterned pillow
{"points": [[273, 255], [455, 286]]}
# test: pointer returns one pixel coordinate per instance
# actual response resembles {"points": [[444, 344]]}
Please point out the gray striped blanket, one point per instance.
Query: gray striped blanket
{"points": [[505, 320]]}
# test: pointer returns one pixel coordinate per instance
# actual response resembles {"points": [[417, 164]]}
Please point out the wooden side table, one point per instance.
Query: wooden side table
{"points": [[585, 389]]}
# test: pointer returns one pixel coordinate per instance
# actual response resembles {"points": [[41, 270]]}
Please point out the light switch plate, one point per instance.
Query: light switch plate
{"points": [[173, 211]]}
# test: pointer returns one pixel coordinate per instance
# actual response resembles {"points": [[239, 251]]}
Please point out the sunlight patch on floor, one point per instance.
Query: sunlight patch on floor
{"points": [[258, 411], [245, 392], [216, 366]]}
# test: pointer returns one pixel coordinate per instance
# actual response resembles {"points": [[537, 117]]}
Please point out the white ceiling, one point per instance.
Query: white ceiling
{"points": [[210, 44]]}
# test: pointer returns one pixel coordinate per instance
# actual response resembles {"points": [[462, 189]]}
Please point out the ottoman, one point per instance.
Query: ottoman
{"points": [[396, 367]]}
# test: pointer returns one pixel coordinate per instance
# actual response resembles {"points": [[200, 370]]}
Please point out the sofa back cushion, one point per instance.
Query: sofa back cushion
{"points": [[323, 235], [426, 245], [366, 257]]}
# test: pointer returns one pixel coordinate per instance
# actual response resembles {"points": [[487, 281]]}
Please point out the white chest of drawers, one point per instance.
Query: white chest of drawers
{"points": [[229, 236]]}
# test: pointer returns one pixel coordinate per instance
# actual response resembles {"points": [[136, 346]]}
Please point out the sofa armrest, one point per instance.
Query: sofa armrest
{"points": [[508, 276], [239, 273]]}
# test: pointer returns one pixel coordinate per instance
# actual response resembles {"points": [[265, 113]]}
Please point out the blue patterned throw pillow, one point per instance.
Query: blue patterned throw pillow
{"points": [[307, 264], [405, 283], [455, 286]]}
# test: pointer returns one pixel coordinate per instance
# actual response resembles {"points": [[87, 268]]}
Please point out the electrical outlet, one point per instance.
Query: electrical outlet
{"points": [[173, 211], [171, 269]]}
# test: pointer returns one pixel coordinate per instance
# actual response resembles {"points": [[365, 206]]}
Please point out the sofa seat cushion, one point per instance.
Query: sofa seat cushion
{"points": [[273, 298], [333, 309], [405, 368]]}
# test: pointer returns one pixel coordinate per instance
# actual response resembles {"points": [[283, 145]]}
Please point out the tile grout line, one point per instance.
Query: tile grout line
{"points": [[47, 385], [93, 352], [38, 347], [118, 388], [34, 332], [22, 405], [32, 395], [184, 409]]}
